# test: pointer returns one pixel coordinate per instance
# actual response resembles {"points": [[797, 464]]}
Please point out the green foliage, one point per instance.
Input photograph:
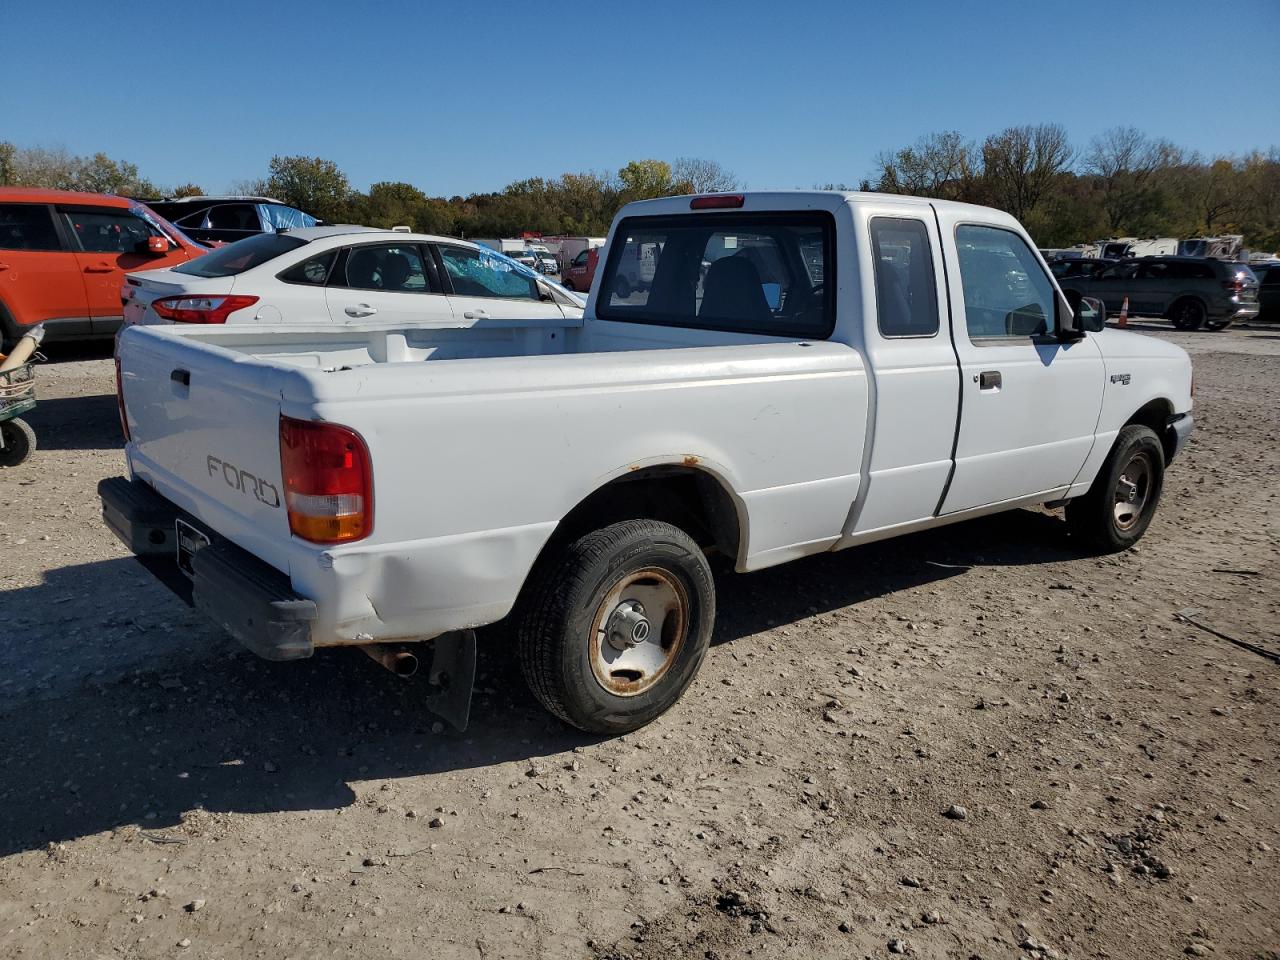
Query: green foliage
{"points": [[8, 173], [312, 184], [1123, 184]]}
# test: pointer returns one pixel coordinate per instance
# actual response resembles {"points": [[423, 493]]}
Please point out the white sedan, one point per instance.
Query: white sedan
{"points": [[343, 275]]}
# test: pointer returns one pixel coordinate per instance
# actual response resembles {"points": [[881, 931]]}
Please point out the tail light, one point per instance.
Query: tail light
{"points": [[328, 482], [124, 418], [188, 309]]}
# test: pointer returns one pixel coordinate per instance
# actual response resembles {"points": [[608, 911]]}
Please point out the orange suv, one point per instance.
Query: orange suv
{"points": [[63, 257]]}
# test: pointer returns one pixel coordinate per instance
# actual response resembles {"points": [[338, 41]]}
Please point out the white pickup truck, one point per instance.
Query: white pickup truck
{"points": [[797, 373]]}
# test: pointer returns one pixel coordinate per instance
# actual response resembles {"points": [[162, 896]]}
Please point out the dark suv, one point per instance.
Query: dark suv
{"points": [[212, 220], [1191, 292]]}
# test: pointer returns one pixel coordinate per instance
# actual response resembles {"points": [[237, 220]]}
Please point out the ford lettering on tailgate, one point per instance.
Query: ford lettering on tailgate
{"points": [[263, 490]]}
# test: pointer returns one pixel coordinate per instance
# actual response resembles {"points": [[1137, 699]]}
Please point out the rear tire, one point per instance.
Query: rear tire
{"points": [[583, 650], [19, 442], [621, 288], [1187, 314], [1118, 508]]}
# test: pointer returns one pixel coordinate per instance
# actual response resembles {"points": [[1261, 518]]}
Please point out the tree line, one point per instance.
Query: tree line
{"points": [[1122, 183]]}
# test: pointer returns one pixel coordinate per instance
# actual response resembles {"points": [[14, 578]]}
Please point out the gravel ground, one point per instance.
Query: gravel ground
{"points": [[966, 743]]}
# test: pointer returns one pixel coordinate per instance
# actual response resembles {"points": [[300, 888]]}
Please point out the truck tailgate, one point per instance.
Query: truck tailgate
{"points": [[204, 432]]}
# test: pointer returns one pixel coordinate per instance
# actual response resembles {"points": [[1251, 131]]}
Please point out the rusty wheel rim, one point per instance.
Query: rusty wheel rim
{"points": [[1133, 490], [638, 631]]}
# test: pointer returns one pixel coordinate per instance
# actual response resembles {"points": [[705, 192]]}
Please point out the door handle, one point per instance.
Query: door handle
{"points": [[4, 266], [989, 380], [361, 310], [475, 315], [99, 268]]}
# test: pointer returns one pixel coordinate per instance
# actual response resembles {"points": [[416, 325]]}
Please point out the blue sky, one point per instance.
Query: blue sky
{"points": [[463, 97]]}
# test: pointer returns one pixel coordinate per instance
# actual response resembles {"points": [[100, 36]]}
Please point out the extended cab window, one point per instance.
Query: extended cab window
{"points": [[27, 226], [1006, 292], [762, 273], [906, 295]]}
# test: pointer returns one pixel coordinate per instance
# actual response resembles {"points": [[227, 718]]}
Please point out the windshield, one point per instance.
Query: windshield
{"points": [[240, 256]]}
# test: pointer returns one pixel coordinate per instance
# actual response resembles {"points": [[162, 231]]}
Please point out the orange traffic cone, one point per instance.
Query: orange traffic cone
{"points": [[1123, 319]]}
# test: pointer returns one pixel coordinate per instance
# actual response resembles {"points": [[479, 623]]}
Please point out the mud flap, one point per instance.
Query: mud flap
{"points": [[452, 674]]}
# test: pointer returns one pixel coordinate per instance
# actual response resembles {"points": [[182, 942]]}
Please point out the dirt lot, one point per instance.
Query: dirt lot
{"points": [[163, 793]]}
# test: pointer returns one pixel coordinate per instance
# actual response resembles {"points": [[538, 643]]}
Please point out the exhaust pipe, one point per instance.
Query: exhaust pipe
{"points": [[395, 658]]}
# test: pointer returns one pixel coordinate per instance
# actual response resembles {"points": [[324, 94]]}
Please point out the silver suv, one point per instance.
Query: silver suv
{"points": [[1191, 292]]}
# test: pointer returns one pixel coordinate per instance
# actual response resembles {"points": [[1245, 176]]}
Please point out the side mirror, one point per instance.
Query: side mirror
{"points": [[1092, 315], [156, 246], [1069, 322]]}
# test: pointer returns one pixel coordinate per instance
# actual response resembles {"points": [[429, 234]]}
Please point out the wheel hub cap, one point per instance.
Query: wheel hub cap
{"points": [[1133, 489], [638, 630], [628, 626]]}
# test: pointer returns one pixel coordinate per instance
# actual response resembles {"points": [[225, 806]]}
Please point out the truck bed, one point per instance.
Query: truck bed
{"points": [[454, 445]]}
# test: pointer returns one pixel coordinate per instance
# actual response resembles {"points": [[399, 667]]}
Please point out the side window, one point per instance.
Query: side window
{"points": [[235, 216], [27, 226], [581, 259], [279, 217], [1119, 271], [1006, 293], [194, 221], [1155, 270], [108, 231], [392, 268], [906, 295], [475, 273], [314, 271]]}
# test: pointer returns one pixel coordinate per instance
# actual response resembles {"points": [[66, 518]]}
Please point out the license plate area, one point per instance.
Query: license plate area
{"points": [[189, 542]]}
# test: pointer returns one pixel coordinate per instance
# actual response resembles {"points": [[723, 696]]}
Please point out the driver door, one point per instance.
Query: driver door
{"points": [[1029, 403]]}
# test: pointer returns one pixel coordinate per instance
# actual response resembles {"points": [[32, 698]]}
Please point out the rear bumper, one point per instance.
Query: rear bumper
{"points": [[253, 601], [1238, 311]]}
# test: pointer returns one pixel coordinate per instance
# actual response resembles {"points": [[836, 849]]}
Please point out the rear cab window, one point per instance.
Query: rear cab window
{"points": [[240, 256], [761, 273]]}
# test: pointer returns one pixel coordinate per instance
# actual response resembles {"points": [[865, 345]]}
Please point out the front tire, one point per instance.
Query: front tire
{"points": [[616, 624], [1118, 508], [19, 442]]}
